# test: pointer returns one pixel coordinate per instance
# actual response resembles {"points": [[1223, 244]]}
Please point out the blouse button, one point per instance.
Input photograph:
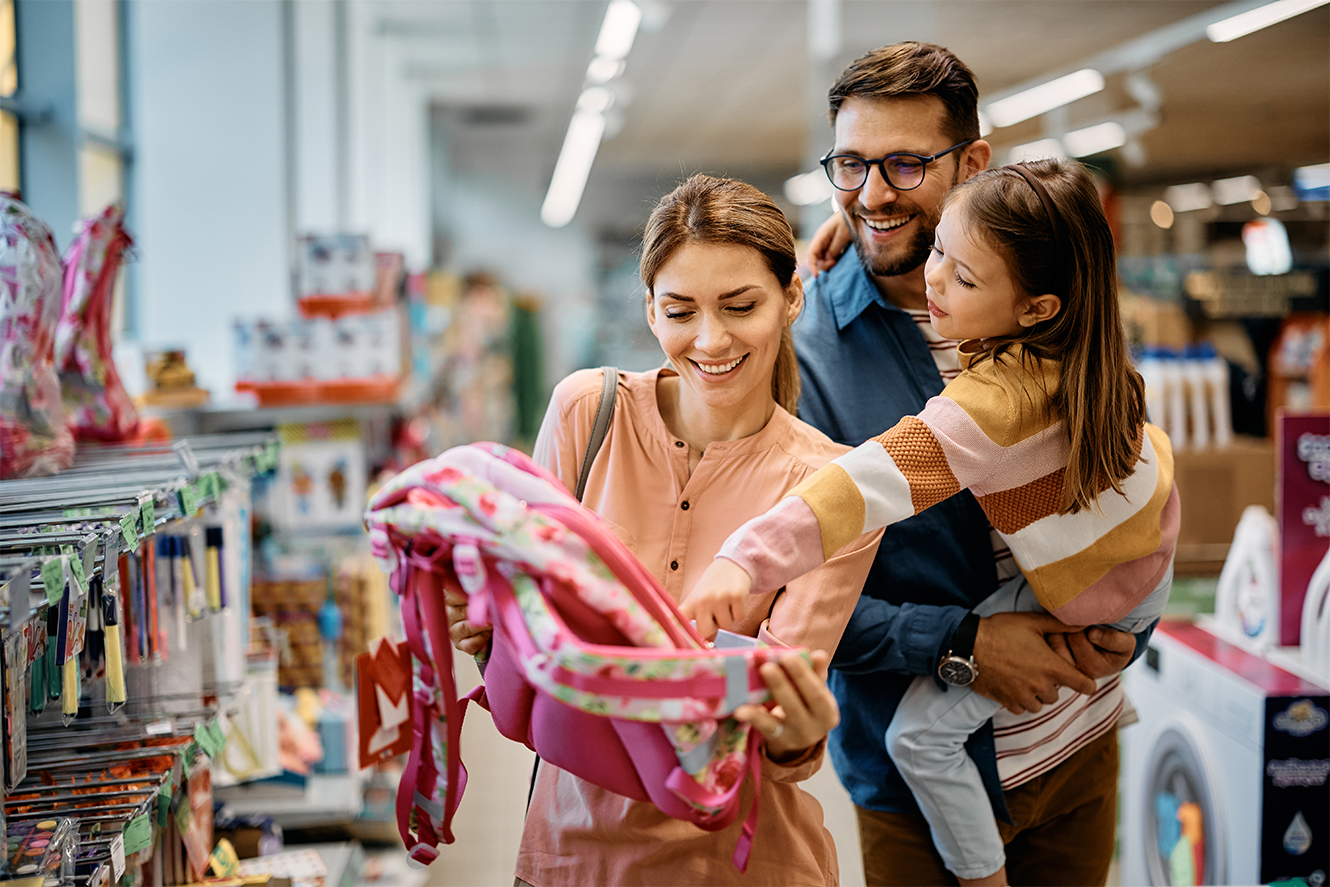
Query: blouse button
{"points": [[674, 565], [678, 443], [684, 506]]}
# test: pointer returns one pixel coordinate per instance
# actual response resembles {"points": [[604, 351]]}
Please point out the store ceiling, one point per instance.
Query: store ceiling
{"points": [[727, 86]]}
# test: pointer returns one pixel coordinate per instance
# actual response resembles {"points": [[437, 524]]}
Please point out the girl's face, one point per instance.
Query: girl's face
{"points": [[718, 312], [971, 293]]}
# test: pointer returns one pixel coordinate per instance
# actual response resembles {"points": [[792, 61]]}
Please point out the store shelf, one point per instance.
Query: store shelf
{"points": [[326, 799]]}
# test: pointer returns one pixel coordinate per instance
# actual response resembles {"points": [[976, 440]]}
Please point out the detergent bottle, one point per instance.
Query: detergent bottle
{"points": [[1247, 598], [1315, 634]]}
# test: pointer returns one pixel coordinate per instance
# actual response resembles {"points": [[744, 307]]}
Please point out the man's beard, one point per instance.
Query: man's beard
{"points": [[915, 254]]}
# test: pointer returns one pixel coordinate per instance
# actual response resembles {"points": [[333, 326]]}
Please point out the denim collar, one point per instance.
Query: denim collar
{"points": [[850, 290]]}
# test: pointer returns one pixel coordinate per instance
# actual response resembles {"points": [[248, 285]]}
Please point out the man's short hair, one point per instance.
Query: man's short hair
{"points": [[908, 69]]}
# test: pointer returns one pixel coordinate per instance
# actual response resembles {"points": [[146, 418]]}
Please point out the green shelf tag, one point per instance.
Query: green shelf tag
{"points": [[148, 517], [53, 579], [206, 737], [218, 736], [138, 834], [76, 567], [189, 500], [128, 530]]}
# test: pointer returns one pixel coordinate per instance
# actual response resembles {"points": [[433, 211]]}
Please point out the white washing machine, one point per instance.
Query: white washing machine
{"points": [[1223, 781]]}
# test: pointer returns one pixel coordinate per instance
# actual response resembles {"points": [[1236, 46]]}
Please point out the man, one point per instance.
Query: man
{"points": [[868, 357]]}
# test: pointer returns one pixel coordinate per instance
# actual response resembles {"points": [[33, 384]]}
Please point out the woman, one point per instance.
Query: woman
{"points": [[694, 450]]}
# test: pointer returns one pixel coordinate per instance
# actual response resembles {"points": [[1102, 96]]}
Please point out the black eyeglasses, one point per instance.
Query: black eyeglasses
{"points": [[904, 172]]}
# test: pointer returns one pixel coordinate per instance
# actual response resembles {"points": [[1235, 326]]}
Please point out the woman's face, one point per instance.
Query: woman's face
{"points": [[718, 312]]}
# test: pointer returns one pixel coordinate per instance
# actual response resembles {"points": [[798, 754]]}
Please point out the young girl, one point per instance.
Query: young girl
{"points": [[1045, 425]]}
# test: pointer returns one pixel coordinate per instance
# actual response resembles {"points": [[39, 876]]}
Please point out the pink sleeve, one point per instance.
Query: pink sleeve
{"points": [[778, 546]]}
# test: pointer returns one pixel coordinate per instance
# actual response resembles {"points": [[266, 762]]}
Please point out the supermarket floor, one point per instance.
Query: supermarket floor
{"points": [[489, 822]]}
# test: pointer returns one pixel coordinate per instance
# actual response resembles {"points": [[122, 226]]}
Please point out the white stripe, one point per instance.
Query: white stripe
{"points": [[885, 489], [1058, 536]]}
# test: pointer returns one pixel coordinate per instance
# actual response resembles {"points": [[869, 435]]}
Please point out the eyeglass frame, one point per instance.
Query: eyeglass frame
{"points": [[880, 163]]}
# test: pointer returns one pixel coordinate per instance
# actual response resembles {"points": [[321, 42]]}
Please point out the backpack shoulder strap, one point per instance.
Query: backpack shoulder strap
{"points": [[604, 412]]}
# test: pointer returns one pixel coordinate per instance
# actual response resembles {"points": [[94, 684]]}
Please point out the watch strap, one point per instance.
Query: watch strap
{"points": [[962, 640]]}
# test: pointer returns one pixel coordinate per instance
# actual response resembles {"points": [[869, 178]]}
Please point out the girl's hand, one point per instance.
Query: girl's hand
{"points": [[804, 711], [474, 640], [717, 601], [829, 243]]}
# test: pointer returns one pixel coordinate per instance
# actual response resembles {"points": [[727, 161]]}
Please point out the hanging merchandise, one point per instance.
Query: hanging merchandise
{"points": [[34, 438], [99, 408]]}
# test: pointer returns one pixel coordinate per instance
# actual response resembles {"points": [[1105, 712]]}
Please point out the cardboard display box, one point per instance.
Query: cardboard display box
{"points": [[1215, 485]]}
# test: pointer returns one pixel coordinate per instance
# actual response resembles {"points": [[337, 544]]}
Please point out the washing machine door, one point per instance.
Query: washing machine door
{"points": [[1184, 840]]}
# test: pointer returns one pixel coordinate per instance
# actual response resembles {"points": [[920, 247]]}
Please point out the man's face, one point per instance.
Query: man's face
{"points": [[892, 229]]}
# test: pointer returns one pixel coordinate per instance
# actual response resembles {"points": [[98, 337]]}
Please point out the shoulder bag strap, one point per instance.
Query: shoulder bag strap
{"points": [[604, 412], [609, 389]]}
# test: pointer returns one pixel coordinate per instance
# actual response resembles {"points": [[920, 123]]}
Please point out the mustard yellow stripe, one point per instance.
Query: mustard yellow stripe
{"points": [[836, 501], [1005, 402], [1057, 583]]}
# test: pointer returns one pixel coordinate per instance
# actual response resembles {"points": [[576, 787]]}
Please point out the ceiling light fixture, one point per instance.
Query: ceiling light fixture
{"points": [[618, 30], [585, 130], [1262, 17], [808, 188], [1239, 189], [603, 70], [1188, 198], [1045, 97], [1095, 139], [573, 167], [1161, 214]]}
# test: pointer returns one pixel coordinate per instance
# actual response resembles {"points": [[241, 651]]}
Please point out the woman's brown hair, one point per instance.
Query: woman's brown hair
{"points": [[727, 212], [1100, 396]]}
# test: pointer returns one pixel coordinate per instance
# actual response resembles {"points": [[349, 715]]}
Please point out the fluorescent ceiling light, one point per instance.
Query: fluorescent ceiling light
{"points": [[1045, 97], [1261, 17], [1187, 198], [808, 188], [1236, 190], [618, 29], [1040, 150], [603, 70], [596, 99], [1095, 139], [573, 167]]}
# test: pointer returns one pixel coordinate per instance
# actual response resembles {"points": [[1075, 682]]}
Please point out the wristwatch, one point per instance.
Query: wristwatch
{"points": [[957, 668]]}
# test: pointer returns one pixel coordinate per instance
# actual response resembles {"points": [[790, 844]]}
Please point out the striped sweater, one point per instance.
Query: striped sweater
{"points": [[990, 431]]}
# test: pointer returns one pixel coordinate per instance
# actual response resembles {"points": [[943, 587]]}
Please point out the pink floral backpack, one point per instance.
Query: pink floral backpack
{"points": [[34, 438], [592, 665], [99, 408]]}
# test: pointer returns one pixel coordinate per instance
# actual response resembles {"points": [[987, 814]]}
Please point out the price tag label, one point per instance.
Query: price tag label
{"points": [[148, 517], [129, 531], [76, 568], [53, 579], [206, 737], [118, 857], [189, 500], [137, 834]]}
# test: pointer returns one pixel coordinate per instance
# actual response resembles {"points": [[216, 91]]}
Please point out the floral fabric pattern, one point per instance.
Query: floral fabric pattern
{"points": [[34, 438]]}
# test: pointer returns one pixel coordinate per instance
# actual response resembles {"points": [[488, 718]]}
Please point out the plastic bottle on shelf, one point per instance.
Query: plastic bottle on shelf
{"points": [[1148, 365], [1175, 398], [1315, 636], [1215, 371], [1193, 373], [1248, 595]]}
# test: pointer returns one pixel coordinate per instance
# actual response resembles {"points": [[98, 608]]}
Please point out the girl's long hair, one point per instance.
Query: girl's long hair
{"points": [[704, 209], [1100, 395]]}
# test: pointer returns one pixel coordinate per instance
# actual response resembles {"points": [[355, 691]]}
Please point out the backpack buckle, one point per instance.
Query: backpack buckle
{"points": [[468, 565], [421, 856]]}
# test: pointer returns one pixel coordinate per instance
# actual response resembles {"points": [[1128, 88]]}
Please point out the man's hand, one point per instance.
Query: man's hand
{"points": [[1017, 667], [1097, 652], [718, 599]]}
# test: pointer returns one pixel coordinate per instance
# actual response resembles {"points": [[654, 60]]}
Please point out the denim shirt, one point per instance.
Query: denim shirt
{"points": [[864, 366]]}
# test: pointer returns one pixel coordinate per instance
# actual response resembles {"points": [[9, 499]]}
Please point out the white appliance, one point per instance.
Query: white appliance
{"points": [[1224, 780]]}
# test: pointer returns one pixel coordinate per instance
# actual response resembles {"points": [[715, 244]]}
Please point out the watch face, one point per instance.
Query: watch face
{"points": [[956, 671]]}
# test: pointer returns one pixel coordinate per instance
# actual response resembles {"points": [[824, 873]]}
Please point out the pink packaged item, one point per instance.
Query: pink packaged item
{"points": [[592, 665], [99, 408], [34, 438]]}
